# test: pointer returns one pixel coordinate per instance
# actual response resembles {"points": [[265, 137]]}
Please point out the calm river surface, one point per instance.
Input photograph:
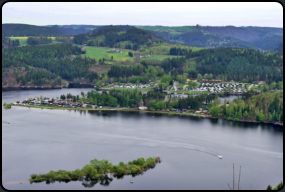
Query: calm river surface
{"points": [[37, 141]]}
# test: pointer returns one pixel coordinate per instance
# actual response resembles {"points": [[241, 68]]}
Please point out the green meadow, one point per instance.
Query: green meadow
{"points": [[175, 33], [160, 57], [22, 41], [102, 52], [182, 28]]}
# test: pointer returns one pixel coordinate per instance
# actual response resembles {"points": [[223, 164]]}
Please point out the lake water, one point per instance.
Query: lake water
{"points": [[37, 141]]}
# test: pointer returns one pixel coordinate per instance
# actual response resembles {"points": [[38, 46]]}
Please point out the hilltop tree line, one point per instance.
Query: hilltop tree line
{"points": [[111, 37], [18, 30]]}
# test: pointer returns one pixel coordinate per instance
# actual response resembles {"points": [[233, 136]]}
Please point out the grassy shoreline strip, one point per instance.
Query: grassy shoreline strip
{"points": [[143, 111]]}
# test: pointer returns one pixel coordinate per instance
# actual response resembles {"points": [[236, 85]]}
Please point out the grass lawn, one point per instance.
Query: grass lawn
{"points": [[175, 33], [160, 57], [101, 52], [22, 41], [182, 28], [55, 42], [256, 88]]}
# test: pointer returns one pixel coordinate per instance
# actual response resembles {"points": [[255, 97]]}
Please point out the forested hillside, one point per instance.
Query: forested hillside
{"points": [[118, 36], [226, 36], [279, 49], [19, 30], [268, 42], [41, 63], [239, 64]]}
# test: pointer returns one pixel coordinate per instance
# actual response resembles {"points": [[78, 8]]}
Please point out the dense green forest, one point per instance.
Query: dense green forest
{"points": [[38, 40], [265, 38], [268, 42], [239, 64], [113, 35], [56, 59], [134, 99], [10, 42], [197, 38], [279, 49], [265, 107], [123, 98], [243, 65]]}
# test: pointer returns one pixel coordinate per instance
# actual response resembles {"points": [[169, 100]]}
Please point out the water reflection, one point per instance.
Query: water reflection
{"points": [[215, 121], [104, 182], [89, 183]]}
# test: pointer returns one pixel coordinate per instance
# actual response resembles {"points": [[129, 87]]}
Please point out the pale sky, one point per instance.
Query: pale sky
{"points": [[263, 14]]}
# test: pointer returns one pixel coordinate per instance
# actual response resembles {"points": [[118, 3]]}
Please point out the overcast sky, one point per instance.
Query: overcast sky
{"points": [[265, 14]]}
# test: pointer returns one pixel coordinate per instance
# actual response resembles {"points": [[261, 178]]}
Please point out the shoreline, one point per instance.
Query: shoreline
{"points": [[144, 111]]}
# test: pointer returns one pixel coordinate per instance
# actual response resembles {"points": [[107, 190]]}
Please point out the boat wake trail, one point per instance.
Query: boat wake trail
{"points": [[148, 142]]}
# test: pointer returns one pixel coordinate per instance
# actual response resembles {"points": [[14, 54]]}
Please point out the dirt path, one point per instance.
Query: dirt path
{"points": [[250, 86]]}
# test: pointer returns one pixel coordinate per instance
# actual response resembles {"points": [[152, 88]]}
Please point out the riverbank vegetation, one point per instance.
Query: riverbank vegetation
{"points": [[265, 107], [99, 169], [7, 105]]}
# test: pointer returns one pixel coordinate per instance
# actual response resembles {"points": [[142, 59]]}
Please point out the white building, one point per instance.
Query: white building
{"points": [[142, 108]]}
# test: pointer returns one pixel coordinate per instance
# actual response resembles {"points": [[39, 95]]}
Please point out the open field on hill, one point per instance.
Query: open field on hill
{"points": [[175, 33], [160, 57], [99, 68], [182, 28], [159, 51], [22, 41], [101, 52], [53, 38]]}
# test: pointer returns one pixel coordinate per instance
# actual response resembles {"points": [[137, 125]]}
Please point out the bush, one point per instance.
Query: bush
{"points": [[140, 161], [33, 176], [122, 164], [50, 175]]}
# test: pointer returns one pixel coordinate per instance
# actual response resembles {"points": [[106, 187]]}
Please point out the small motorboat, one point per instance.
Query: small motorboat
{"points": [[220, 156], [131, 181]]}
